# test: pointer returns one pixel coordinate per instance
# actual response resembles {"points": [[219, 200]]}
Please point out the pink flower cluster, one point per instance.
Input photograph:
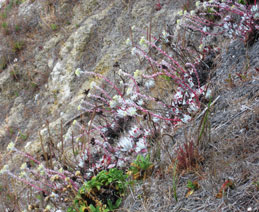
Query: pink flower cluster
{"points": [[236, 19]]}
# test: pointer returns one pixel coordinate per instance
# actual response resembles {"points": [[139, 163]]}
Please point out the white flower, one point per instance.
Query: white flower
{"points": [[113, 104], [141, 145], [53, 195], [116, 100], [186, 118], [92, 84], [48, 207], [81, 164], [254, 8], [125, 144], [178, 21], [131, 111], [204, 29], [23, 166], [134, 97], [178, 95], [205, 4], [164, 33], [135, 132], [140, 102], [146, 132], [180, 13], [79, 107], [150, 83], [192, 12], [122, 113], [134, 50], [120, 163], [120, 72], [74, 122], [10, 146], [22, 174], [193, 108], [128, 42], [197, 4], [249, 209], [155, 119], [4, 169], [59, 145]]}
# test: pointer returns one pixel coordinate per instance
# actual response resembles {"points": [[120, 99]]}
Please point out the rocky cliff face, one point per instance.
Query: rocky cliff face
{"points": [[39, 82], [44, 43]]}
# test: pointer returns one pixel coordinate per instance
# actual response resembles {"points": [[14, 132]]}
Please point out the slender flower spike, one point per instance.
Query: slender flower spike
{"points": [[92, 84], [180, 13], [137, 74], [201, 47], [128, 42], [10, 146], [142, 41], [192, 12], [208, 94], [78, 72]]}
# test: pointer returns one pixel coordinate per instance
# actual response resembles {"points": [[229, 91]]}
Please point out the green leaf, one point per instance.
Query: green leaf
{"points": [[117, 203]]}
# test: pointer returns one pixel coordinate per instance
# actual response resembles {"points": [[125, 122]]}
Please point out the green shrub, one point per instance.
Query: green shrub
{"points": [[141, 167], [102, 193]]}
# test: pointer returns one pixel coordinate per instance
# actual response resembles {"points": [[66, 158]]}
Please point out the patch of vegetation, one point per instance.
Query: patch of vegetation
{"points": [[102, 193], [141, 167]]}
